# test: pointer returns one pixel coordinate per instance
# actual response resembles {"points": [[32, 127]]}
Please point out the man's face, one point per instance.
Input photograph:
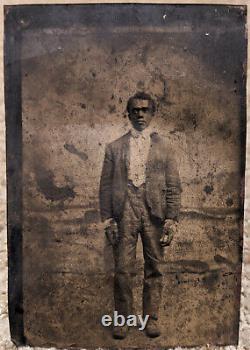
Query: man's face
{"points": [[140, 114]]}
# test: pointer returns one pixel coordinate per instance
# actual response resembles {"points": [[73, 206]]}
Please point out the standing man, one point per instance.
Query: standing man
{"points": [[139, 194]]}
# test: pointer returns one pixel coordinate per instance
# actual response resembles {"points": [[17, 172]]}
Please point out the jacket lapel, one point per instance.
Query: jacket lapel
{"points": [[152, 151], [125, 152]]}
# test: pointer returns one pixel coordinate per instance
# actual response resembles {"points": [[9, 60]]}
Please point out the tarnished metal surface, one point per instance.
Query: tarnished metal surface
{"points": [[75, 84]]}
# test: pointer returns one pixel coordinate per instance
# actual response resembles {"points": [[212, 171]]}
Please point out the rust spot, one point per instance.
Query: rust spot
{"points": [[72, 149], [46, 186], [208, 189]]}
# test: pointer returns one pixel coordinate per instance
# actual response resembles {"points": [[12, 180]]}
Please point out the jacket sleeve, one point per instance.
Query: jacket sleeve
{"points": [[105, 191], [173, 188]]}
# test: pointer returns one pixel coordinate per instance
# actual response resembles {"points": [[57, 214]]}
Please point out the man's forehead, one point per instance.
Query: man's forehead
{"points": [[139, 103]]}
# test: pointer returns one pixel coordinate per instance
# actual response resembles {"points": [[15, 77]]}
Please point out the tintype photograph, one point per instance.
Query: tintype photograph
{"points": [[125, 128]]}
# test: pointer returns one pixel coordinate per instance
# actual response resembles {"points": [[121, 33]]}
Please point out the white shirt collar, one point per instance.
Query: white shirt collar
{"points": [[144, 134]]}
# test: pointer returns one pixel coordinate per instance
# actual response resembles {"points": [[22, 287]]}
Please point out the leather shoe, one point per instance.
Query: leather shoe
{"points": [[120, 332], [152, 328]]}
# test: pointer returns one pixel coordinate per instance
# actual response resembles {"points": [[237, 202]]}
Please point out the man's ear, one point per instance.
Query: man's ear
{"points": [[126, 114]]}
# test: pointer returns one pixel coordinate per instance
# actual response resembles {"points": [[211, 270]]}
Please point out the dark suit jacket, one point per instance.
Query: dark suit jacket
{"points": [[162, 179]]}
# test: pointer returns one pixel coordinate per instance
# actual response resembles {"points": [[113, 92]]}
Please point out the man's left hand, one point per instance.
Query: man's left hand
{"points": [[169, 230]]}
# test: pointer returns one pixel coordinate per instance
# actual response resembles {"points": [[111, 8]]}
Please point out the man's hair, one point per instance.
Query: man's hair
{"points": [[142, 96]]}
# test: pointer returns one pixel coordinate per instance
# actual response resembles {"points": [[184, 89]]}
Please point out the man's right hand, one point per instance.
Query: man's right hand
{"points": [[111, 231]]}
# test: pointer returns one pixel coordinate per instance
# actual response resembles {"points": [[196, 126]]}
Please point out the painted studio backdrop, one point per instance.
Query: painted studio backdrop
{"points": [[69, 73]]}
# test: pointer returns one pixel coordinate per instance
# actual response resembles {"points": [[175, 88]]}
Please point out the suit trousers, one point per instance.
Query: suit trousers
{"points": [[136, 220]]}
